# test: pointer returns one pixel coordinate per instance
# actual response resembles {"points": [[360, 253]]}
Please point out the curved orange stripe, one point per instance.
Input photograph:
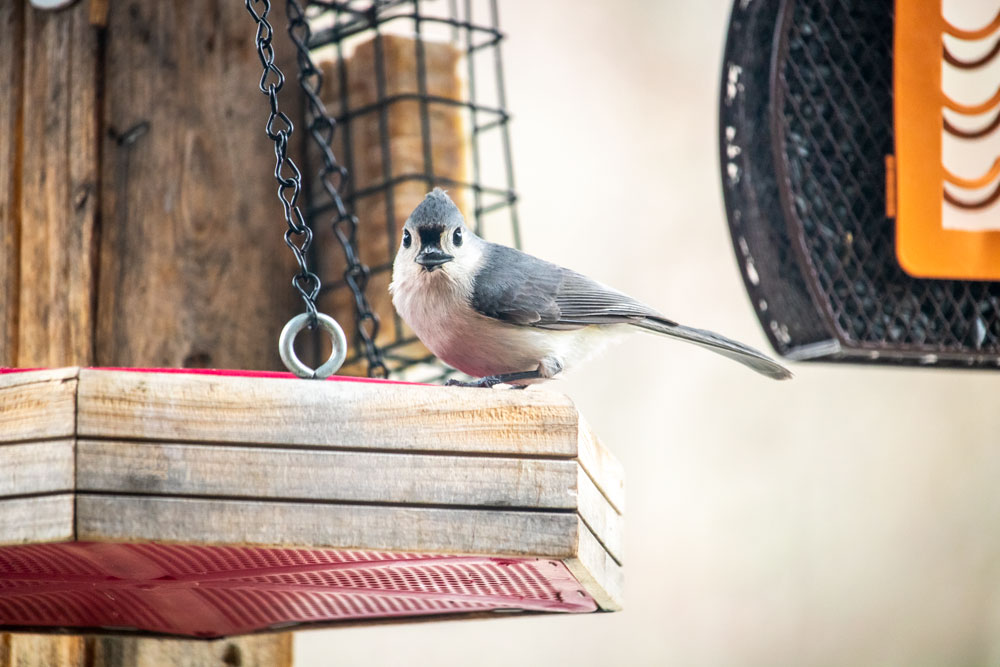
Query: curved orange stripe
{"points": [[985, 31], [972, 109], [973, 183]]}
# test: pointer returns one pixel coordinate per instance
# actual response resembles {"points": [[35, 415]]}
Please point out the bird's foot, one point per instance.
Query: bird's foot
{"points": [[485, 383], [502, 378]]}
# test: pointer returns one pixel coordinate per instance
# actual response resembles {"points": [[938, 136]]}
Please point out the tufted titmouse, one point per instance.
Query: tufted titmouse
{"points": [[504, 316]]}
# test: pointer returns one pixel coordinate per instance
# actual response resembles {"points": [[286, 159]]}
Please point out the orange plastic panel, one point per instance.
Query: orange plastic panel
{"points": [[928, 194]]}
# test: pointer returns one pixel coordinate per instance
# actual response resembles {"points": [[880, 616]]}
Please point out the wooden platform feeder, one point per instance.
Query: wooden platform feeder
{"points": [[205, 504]]}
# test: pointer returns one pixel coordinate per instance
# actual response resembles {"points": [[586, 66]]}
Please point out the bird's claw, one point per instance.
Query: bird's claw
{"points": [[487, 382]]}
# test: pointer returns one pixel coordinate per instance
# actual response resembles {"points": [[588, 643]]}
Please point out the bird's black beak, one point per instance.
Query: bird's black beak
{"points": [[431, 258]]}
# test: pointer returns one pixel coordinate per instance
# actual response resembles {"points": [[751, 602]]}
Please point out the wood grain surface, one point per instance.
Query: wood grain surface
{"points": [[37, 467], [28, 650], [36, 519], [38, 404], [273, 472], [58, 189], [598, 572], [268, 650], [194, 271], [331, 414], [11, 81], [385, 527]]}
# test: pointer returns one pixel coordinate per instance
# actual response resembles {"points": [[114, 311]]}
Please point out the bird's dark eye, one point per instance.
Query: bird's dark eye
{"points": [[457, 238], [407, 239]]}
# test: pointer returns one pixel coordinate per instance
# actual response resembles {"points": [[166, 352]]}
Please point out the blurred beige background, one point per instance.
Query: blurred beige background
{"points": [[850, 517]]}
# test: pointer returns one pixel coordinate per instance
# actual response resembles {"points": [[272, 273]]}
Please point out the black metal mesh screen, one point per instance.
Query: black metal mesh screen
{"points": [[831, 124], [770, 269]]}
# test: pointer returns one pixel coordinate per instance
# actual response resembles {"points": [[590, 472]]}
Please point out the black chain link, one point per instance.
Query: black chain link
{"points": [[345, 226], [279, 129]]}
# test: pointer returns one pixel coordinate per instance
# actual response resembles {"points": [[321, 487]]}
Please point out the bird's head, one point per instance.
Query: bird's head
{"points": [[435, 236]]}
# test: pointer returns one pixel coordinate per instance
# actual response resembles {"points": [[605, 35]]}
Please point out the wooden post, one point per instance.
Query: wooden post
{"points": [[138, 223], [11, 72], [193, 268]]}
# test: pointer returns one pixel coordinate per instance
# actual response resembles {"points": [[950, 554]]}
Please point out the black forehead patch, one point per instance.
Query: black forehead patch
{"points": [[430, 235]]}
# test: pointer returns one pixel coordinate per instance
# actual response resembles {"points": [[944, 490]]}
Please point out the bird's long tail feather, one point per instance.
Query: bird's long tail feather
{"points": [[719, 344]]}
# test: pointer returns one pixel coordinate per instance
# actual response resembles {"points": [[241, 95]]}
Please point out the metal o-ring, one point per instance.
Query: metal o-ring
{"points": [[51, 4], [286, 346]]}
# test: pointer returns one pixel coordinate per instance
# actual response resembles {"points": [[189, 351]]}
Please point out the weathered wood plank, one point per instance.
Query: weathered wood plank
{"points": [[194, 271], [11, 81], [18, 378], [38, 404], [36, 467], [58, 194], [121, 404], [604, 469], [252, 651], [598, 572], [600, 516], [256, 472], [28, 650], [468, 531], [284, 474], [36, 519]]}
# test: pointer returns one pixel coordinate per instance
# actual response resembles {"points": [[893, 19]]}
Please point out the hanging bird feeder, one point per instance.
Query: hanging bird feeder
{"points": [[206, 503], [858, 178]]}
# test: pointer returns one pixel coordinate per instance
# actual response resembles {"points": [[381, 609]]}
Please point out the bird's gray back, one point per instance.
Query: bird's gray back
{"points": [[515, 287]]}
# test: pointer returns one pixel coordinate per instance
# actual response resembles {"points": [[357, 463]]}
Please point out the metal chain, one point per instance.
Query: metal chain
{"points": [[345, 226], [279, 128]]}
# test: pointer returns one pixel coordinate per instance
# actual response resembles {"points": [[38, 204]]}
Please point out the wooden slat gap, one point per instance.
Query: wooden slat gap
{"points": [[104, 493], [37, 494], [40, 376], [601, 542], [591, 452], [296, 447], [602, 491], [35, 441]]}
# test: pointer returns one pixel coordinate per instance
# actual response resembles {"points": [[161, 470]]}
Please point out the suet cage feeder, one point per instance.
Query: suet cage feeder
{"points": [[817, 157], [417, 91]]}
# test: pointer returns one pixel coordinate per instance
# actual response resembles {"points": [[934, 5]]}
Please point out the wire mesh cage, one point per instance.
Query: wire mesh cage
{"points": [[417, 92], [806, 123]]}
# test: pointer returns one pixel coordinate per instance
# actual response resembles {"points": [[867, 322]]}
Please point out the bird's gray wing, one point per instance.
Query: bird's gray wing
{"points": [[514, 287], [520, 289]]}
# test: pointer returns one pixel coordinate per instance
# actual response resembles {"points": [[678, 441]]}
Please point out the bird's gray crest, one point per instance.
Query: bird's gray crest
{"points": [[436, 209]]}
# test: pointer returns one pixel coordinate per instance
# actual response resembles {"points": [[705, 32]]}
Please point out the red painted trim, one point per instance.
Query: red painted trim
{"points": [[212, 591], [221, 372]]}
